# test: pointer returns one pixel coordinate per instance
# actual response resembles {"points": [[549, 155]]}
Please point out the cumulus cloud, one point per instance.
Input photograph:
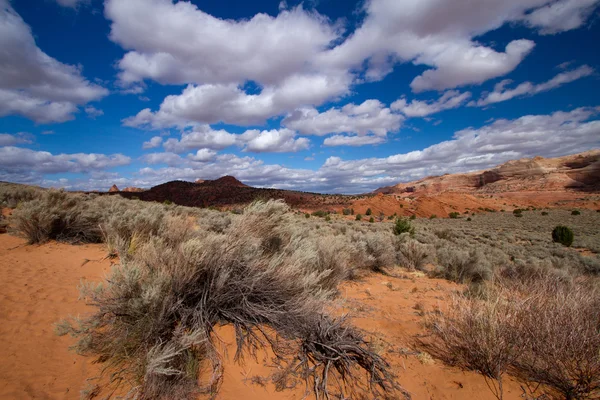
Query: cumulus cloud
{"points": [[273, 141], [153, 143], [229, 103], [472, 149], [560, 16], [440, 34], [247, 169], [92, 112], [23, 161], [305, 59], [501, 93], [203, 155], [168, 158], [417, 108], [202, 137], [7, 139], [255, 141], [33, 84], [215, 50], [369, 117], [342, 140]]}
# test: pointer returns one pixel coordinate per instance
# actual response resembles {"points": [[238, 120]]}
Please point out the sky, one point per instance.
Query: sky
{"points": [[331, 96]]}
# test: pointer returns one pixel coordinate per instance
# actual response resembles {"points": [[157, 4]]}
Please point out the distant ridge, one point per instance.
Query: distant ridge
{"points": [[228, 191], [580, 172], [226, 180]]}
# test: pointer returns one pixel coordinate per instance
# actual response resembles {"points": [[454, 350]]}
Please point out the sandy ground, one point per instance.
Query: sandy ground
{"points": [[38, 287]]}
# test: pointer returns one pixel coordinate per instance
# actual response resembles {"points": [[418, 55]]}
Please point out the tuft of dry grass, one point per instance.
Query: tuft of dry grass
{"points": [[545, 332]]}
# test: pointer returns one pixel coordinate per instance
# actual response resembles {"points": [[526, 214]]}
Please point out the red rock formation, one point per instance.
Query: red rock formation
{"points": [[113, 189], [133, 189], [578, 171]]}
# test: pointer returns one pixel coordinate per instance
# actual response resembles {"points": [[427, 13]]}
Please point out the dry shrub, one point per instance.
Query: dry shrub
{"points": [[476, 335], [379, 251], [412, 254], [545, 333], [11, 194], [560, 339], [3, 224], [60, 216], [463, 266], [156, 313]]}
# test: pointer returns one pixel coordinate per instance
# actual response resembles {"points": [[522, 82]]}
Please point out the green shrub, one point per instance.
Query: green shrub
{"points": [[469, 219], [327, 218], [347, 211], [544, 213], [167, 202], [575, 212], [306, 215], [517, 211], [403, 225], [433, 216], [371, 220], [320, 213], [563, 235], [369, 212], [413, 217], [358, 217], [454, 215]]}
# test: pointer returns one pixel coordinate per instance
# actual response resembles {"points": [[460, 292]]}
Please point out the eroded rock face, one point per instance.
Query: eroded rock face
{"points": [[132, 189], [113, 189], [578, 171]]}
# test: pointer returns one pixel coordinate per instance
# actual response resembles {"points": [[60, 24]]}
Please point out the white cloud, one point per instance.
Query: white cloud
{"points": [[168, 158], [33, 84], [203, 155], [20, 160], [561, 15], [369, 117], [7, 139], [462, 64], [202, 137], [341, 140], [471, 149], [441, 34], [417, 108], [273, 141], [501, 93], [304, 59], [92, 112], [228, 103], [153, 143], [215, 50], [256, 141]]}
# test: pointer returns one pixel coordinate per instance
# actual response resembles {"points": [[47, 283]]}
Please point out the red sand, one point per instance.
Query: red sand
{"points": [[39, 287]]}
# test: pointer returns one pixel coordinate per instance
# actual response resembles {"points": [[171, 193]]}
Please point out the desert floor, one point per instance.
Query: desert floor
{"points": [[38, 287]]}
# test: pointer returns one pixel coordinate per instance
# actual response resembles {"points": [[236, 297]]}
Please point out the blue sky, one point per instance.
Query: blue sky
{"points": [[322, 95]]}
